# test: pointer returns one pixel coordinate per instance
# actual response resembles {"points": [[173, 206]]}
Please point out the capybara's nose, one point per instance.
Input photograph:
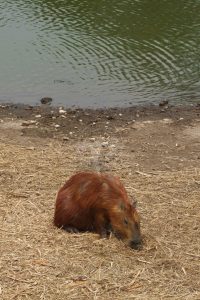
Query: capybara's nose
{"points": [[136, 244]]}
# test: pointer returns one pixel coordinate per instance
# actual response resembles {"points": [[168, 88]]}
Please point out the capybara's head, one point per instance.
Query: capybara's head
{"points": [[126, 225]]}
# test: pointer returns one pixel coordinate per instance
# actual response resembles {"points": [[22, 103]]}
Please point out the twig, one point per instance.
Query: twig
{"points": [[144, 261], [145, 174], [194, 255], [20, 280]]}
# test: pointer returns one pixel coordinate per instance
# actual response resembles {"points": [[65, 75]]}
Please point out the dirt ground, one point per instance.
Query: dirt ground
{"points": [[156, 153]]}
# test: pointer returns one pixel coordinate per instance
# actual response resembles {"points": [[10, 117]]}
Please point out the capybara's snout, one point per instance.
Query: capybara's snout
{"points": [[136, 244]]}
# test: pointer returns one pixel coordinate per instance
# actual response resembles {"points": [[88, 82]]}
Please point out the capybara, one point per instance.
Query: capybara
{"points": [[97, 202]]}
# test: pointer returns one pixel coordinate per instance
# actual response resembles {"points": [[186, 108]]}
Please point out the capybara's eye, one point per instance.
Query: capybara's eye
{"points": [[122, 206], [126, 221]]}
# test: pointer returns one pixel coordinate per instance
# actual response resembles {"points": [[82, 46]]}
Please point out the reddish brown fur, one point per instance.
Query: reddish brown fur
{"points": [[97, 202]]}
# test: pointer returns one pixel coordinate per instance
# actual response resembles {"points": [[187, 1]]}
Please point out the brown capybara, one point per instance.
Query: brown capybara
{"points": [[97, 202]]}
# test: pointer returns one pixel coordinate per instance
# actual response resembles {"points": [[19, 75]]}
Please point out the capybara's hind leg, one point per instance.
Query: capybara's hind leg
{"points": [[71, 229]]}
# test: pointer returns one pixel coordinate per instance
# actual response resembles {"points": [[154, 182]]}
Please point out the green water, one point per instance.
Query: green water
{"points": [[100, 53]]}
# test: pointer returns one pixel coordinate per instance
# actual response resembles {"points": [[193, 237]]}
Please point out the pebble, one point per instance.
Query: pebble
{"points": [[110, 117], [92, 139], [62, 111], [56, 125], [112, 146], [38, 116], [164, 103], [28, 123], [46, 100], [104, 144]]}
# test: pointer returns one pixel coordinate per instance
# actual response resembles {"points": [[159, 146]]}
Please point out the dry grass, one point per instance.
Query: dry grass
{"points": [[39, 261]]}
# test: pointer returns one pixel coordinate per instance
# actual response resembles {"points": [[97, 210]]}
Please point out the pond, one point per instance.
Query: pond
{"points": [[100, 53]]}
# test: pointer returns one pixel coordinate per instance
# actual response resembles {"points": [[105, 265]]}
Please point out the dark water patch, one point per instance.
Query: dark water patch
{"points": [[103, 53]]}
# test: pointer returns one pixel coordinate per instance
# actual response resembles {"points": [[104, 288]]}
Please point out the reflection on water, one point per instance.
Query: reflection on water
{"points": [[99, 52]]}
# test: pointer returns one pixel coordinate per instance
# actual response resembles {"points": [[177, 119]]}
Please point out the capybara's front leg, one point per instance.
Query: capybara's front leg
{"points": [[102, 226]]}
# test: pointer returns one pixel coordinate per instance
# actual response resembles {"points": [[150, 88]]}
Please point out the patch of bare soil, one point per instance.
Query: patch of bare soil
{"points": [[155, 152]]}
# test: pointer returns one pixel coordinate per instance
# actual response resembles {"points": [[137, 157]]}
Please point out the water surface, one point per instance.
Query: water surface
{"points": [[99, 53]]}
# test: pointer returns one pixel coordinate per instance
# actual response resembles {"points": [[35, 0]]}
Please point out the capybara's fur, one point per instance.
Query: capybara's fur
{"points": [[97, 202]]}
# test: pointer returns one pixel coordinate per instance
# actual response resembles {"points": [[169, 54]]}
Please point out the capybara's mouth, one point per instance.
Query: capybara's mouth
{"points": [[136, 246]]}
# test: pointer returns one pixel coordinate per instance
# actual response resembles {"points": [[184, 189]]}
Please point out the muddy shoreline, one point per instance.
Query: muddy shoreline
{"points": [[50, 121]]}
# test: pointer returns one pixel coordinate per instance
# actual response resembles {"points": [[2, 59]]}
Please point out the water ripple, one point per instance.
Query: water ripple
{"points": [[83, 51]]}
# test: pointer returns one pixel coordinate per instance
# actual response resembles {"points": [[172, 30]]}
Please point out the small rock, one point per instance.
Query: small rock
{"points": [[29, 107], [167, 121], [46, 100], [62, 111], [70, 132], [80, 120], [164, 103], [56, 125], [120, 114], [104, 144], [92, 139], [65, 138], [112, 146], [38, 116], [28, 123], [110, 117]]}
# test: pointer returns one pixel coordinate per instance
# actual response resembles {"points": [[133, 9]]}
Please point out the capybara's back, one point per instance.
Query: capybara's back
{"points": [[97, 202]]}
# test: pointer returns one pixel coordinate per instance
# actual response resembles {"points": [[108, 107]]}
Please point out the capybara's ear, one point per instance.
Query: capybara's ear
{"points": [[134, 203]]}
